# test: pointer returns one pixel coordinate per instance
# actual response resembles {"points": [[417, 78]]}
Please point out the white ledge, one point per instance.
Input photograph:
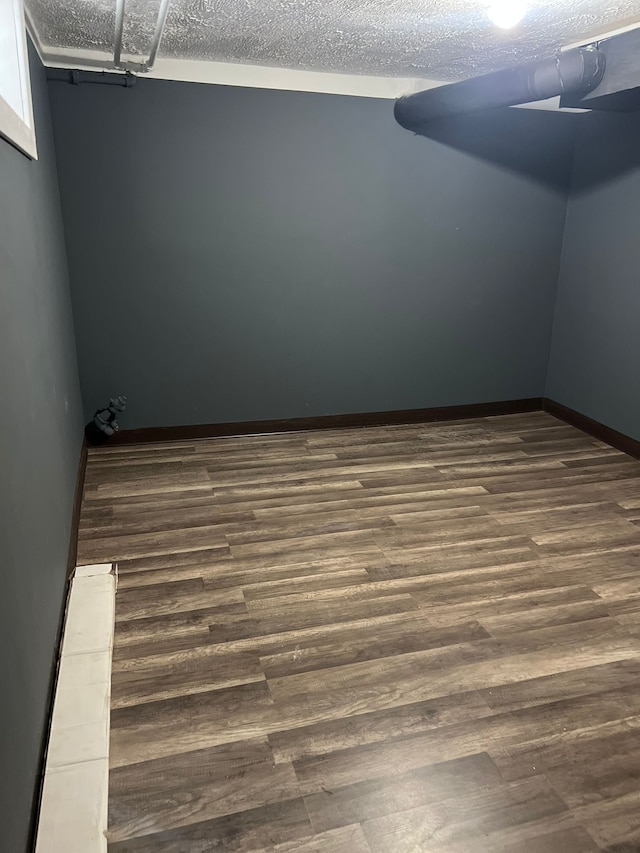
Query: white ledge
{"points": [[74, 807]]}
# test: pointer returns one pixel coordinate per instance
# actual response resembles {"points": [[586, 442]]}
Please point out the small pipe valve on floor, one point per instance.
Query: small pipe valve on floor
{"points": [[104, 424]]}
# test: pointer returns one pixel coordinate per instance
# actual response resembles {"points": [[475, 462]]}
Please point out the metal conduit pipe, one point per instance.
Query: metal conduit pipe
{"points": [[574, 72], [117, 45], [157, 35], [139, 67]]}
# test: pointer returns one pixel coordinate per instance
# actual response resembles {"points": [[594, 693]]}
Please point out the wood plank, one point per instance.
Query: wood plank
{"points": [[464, 819], [196, 786], [250, 830], [485, 733], [362, 801]]}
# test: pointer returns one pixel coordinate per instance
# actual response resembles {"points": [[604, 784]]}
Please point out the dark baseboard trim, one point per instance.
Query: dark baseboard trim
{"points": [[406, 416], [77, 507], [610, 436], [53, 678], [194, 432]]}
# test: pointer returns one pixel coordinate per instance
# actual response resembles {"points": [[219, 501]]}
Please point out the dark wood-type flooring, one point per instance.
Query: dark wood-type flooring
{"points": [[392, 640]]}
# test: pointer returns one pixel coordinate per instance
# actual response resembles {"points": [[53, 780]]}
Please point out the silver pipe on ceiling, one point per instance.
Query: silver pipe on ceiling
{"points": [[158, 33], [139, 67], [574, 72], [117, 46]]}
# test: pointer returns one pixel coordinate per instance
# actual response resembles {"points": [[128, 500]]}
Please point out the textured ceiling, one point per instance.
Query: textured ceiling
{"points": [[440, 39]]}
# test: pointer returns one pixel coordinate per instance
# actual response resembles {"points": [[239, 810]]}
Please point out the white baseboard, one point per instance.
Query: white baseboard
{"points": [[74, 807]]}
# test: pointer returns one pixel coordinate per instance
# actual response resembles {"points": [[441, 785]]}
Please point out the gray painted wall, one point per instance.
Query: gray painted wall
{"points": [[595, 358], [40, 439], [240, 254]]}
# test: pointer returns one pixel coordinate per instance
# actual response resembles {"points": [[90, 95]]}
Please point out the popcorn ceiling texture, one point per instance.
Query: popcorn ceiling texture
{"points": [[441, 39]]}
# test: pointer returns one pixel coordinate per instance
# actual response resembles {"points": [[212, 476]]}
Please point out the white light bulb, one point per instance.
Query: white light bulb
{"points": [[506, 13]]}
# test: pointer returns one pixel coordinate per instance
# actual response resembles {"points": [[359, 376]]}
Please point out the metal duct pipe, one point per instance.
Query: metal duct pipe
{"points": [[574, 72]]}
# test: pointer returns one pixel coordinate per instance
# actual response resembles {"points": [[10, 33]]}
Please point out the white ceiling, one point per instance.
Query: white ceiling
{"points": [[437, 39]]}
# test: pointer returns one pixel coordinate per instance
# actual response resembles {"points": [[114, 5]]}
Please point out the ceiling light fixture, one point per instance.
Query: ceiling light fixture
{"points": [[506, 13]]}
